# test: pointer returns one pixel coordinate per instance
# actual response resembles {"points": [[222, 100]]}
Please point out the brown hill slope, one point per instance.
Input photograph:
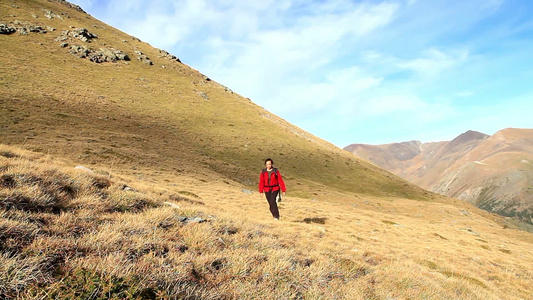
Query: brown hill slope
{"points": [[493, 172], [68, 89]]}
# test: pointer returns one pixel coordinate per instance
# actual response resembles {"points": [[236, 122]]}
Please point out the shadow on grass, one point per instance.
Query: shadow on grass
{"points": [[315, 220]]}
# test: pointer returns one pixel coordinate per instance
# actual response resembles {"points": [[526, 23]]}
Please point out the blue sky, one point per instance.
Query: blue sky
{"points": [[354, 71]]}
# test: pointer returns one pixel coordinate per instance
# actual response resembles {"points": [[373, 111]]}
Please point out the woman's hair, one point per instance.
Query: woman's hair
{"points": [[271, 161]]}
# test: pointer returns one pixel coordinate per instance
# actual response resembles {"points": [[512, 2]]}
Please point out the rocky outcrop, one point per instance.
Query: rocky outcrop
{"points": [[23, 28], [165, 54], [6, 29], [52, 15], [68, 4], [98, 56]]}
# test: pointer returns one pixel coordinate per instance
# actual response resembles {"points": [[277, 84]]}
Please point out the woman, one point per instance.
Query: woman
{"points": [[270, 182]]}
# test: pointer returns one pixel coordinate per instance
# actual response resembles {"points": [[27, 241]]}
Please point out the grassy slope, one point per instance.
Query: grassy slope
{"points": [[140, 115], [81, 234]]}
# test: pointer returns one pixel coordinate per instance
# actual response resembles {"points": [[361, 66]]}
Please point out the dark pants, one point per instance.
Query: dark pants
{"points": [[271, 198]]}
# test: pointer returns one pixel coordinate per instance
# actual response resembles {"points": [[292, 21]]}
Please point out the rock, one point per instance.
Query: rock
{"points": [[464, 212], [195, 220], [173, 205], [126, 188], [203, 94], [63, 45], [5, 29], [82, 34], [80, 51], [82, 168], [141, 57], [187, 220], [168, 56], [76, 7], [36, 29], [247, 191], [22, 31], [51, 15], [107, 55]]}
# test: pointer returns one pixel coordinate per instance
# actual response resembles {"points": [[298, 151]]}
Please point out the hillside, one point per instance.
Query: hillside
{"points": [[74, 86], [73, 233], [492, 172]]}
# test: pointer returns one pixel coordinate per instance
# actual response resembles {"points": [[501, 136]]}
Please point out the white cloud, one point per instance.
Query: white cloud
{"points": [[434, 61]]}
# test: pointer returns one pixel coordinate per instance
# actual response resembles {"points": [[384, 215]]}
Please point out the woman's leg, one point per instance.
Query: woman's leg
{"points": [[271, 198]]}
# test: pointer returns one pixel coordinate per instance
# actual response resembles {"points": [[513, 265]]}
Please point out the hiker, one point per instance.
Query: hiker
{"points": [[270, 182]]}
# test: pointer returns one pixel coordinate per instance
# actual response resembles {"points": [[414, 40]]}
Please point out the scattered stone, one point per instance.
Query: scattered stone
{"points": [[173, 205], [247, 191], [126, 188], [188, 220], [107, 55], [68, 4], [63, 36], [5, 29], [203, 94], [195, 220], [63, 45], [22, 31], [207, 78], [50, 28], [168, 56], [82, 168], [141, 57], [51, 15], [35, 16], [464, 212], [165, 224], [82, 34], [226, 89], [80, 51], [97, 56], [36, 29]]}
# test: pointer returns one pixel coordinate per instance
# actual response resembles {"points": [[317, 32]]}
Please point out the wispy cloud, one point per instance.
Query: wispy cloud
{"points": [[335, 67]]}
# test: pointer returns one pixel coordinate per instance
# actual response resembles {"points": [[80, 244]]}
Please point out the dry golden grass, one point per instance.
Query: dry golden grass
{"points": [[104, 242]]}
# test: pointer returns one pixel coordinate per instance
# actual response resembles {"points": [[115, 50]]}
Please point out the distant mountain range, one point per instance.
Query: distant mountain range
{"points": [[494, 172]]}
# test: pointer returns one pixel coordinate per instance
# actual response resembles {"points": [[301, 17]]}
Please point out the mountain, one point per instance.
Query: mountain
{"points": [[126, 174], [493, 172]]}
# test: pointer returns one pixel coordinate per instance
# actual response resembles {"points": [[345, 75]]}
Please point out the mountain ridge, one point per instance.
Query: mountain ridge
{"points": [[469, 168]]}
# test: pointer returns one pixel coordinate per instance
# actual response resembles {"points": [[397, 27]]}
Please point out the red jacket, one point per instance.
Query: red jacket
{"points": [[276, 182]]}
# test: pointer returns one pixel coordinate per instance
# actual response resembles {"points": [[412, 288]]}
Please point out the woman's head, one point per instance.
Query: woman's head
{"points": [[269, 163]]}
